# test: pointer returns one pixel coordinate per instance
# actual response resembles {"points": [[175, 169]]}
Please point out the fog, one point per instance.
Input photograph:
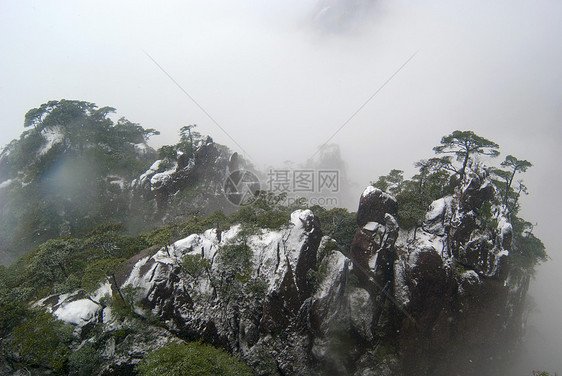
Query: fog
{"points": [[274, 81]]}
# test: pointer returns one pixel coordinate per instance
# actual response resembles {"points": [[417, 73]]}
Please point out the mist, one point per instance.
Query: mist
{"points": [[275, 82]]}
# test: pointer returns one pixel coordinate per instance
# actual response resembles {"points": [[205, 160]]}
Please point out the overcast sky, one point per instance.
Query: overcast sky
{"points": [[281, 77]]}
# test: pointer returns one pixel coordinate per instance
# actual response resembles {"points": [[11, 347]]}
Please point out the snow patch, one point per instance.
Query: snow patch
{"points": [[371, 226], [141, 148], [52, 136], [78, 312], [150, 172], [6, 183], [439, 215], [505, 228], [471, 277], [161, 178], [116, 180], [301, 217], [369, 190]]}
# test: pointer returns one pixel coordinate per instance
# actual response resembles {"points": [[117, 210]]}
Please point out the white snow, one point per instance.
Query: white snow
{"points": [[53, 136], [424, 241], [274, 252], [471, 276], [78, 312], [81, 311], [136, 279], [116, 180], [502, 253], [436, 209], [162, 178], [150, 172], [439, 215], [142, 147], [370, 189], [504, 227], [6, 183], [298, 217], [371, 226]]}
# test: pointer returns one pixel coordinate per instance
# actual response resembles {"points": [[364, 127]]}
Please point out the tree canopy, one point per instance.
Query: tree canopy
{"points": [[465, 145], [439, 176]]}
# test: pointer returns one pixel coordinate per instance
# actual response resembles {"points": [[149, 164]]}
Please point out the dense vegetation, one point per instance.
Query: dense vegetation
{"points": [[193, 359], [440, 175]]}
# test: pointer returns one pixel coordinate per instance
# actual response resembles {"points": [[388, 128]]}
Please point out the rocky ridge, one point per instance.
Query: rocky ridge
{"points": [[439, 300]]}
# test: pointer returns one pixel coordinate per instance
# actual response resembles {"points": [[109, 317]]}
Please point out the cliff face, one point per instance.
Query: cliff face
{"points": [[452, 279], [435, 301]]}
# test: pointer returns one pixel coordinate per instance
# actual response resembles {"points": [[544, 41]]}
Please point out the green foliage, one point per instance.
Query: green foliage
{"points": [[485, 217], [43, 340], [166, 235], [411, 208], [316, 276], [257, 287], [465, 145], [50, 262], [124, 129], [195, 265], [236, 258], [339, 224], [193, 359], [68, 264], [188, 137], [83, 361], [438, 177], [414, 196], [528, 250], [168, 156], [123, 303], [264, 212], [511, 166], [391, 183], [11, 314], [98, 271]]}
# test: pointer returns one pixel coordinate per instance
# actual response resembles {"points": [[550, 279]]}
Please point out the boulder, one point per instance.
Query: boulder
{"points": [[373, 205]]}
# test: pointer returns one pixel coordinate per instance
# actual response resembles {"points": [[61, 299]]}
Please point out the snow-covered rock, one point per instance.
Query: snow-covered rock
{"points": [[439, 216], [421, 301]]}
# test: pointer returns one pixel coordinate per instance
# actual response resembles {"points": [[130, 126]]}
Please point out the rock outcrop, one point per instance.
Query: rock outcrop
{"points": [[190, 185], [436, 301]]}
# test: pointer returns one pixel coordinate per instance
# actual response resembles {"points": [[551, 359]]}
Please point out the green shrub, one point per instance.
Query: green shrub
{"points": [[236, 258], [83, 361], [195, 265], [193, 359], [43, 340], [11, 314]]}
